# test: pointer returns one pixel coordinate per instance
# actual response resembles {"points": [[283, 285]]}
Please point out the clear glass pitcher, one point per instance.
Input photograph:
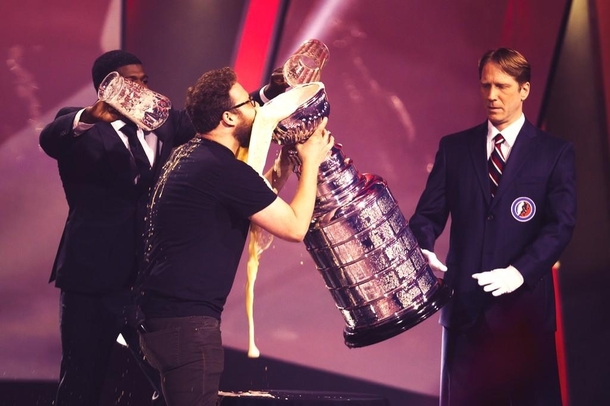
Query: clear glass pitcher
{"points": [[146, 108], [306, 63]]}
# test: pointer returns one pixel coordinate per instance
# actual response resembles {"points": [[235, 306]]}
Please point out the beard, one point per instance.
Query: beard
{"points": [[243, 133]]}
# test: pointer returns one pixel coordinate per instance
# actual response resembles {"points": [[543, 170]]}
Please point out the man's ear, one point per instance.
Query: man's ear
{"points": [[228, 119], [524, 90]]}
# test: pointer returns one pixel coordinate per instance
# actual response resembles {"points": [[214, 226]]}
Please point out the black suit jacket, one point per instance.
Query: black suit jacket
{"points": [[103, 231], [527, 224]]}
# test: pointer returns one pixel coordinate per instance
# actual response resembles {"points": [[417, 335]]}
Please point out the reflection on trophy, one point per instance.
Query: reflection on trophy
{"points": [[147, 109], [359, 239]]}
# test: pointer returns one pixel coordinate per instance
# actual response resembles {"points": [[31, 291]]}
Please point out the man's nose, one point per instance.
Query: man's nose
{"points": [[492, 94]]}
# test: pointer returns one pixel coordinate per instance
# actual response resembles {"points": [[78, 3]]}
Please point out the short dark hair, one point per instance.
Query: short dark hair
{"points": [[510, 61], [111, 61], [209, 98]]}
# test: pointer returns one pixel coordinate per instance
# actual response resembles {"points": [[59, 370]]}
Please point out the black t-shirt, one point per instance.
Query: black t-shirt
{"points": [[197, 229]]}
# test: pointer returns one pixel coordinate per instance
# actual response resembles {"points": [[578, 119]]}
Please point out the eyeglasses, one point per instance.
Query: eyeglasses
{"points": [[250, 100]]}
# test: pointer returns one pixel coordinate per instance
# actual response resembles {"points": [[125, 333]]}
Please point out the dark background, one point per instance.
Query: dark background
{"points": [[402, 73]]}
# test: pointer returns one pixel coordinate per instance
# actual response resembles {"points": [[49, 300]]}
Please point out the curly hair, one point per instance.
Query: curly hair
{"points": [[209, 98], [111, 61], [511, 62]]}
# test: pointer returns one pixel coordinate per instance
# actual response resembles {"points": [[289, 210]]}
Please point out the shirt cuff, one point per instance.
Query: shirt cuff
{"points": [[79, 127], [261, 93]]}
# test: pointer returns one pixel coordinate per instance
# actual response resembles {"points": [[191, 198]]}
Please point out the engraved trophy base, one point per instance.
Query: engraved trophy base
{"points": [[355, 338]]}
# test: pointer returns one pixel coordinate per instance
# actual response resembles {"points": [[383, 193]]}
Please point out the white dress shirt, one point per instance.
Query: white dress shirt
{"points": [[149, 142], [510, 136]]}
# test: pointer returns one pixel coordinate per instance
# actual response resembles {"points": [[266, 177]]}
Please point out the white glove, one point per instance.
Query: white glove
{"points": [[500, 281], [433, 261]]}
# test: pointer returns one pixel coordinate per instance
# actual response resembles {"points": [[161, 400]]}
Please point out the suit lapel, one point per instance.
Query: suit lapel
{"points": [[164, 148], [524, 146], [120, 159], [478, 155], [159, 159]]}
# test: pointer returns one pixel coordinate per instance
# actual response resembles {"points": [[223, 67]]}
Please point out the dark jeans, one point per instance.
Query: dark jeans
{"points": [[188, 353], [517, 367], [90, 325]]}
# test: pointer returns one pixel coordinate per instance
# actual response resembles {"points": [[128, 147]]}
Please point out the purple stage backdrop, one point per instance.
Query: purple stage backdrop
{"points": [[401, 74]]}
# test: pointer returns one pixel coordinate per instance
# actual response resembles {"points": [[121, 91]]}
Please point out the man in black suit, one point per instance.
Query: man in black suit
{"points": [[101, 247], [510, 190]]}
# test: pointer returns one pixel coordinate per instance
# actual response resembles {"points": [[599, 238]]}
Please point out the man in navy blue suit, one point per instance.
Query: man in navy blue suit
{"points": [[101, 248], [510, 191]]}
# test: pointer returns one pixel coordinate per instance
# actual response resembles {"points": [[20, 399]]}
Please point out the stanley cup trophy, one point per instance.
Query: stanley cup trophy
{"points": [[359, 239]]}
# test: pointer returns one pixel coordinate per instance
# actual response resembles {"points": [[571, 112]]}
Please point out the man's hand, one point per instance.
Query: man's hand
{"points": [[277, 84], [282, 162], [500, 281], [433, 261], [317, 147], [101, 111], [282, 168]]}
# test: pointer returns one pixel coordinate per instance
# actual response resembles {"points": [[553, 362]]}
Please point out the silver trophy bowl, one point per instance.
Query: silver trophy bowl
{"points": [[311, 106]]}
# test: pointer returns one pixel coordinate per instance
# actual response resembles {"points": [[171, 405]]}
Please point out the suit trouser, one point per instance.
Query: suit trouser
{"points": [[90, 325], [517, 367], [188, 353]]}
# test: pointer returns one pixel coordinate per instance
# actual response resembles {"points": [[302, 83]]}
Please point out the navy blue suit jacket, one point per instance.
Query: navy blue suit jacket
{"points": [[527, 224], [103, 231]]}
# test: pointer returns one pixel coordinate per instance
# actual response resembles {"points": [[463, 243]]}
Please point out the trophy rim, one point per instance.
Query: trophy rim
{"points": [[282, 131], [109, 78]]}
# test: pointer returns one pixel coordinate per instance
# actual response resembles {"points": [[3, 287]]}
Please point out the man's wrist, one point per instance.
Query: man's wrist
{"points": [[263, 96], [79, 126]]}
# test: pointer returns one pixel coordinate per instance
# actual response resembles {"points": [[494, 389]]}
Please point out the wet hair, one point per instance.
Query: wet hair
{"points": [[511, 62], [111, 61], [209, 98]]}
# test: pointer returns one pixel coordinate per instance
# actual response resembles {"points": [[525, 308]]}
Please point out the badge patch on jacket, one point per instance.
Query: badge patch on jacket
{"points": [[523, 209]]}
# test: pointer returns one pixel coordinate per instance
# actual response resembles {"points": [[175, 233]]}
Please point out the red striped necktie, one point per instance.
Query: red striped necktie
{"points": [[495, 164]]}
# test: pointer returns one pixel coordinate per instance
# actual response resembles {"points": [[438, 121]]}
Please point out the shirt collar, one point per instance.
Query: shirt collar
{"points": [[118, 124], [509, 133]]}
